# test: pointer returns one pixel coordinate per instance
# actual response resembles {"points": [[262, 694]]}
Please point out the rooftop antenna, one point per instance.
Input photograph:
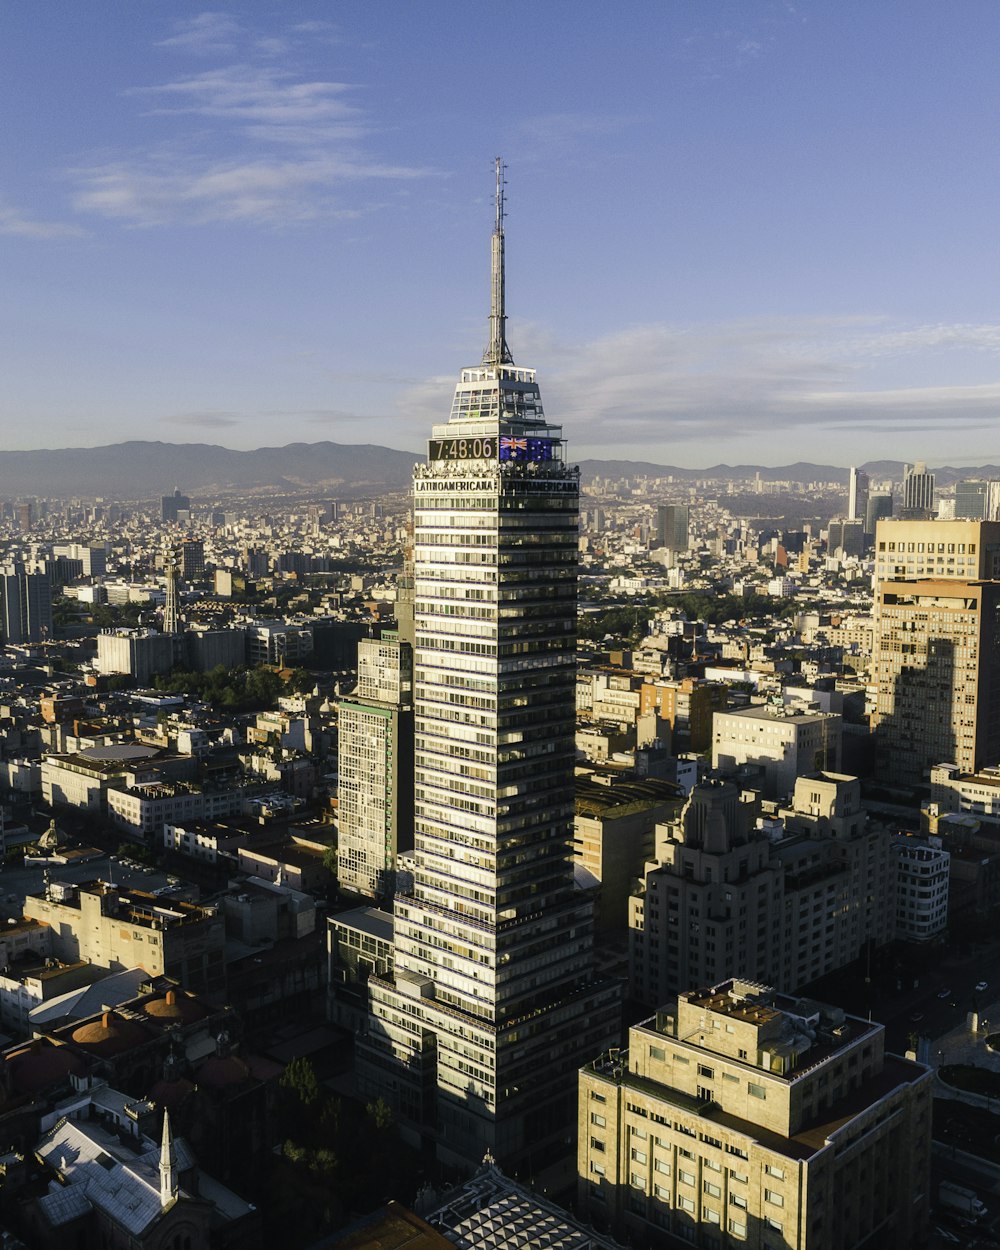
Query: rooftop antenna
{"points": [[497, 351]]}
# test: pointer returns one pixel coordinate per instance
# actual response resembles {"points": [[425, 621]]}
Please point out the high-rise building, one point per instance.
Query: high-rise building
{"points": [[878, 506], [672, 526], [192, 554], [937, 669], [375, 768], [977, 500], [172, 505], [493, 1003], [967, 550], [857, 494], [918, 491], [740, 1116], [846, 538], [25, 605]]}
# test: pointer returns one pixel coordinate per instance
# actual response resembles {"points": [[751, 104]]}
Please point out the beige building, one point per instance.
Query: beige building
{"points": [[613, 837], [937, 670], [785, 742], [116, 927], [966, 550], [785, 899], [739, 1116]]}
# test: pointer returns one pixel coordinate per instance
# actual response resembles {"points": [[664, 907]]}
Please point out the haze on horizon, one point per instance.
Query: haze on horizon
{"points": [[742, 233]]}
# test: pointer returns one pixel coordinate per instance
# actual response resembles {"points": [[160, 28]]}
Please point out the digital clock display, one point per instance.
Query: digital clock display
{"points": [[504, 447]]}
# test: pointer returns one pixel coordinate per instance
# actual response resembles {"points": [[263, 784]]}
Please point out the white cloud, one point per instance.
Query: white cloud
{"points": [[251, 143], [207, 420], [204, 35], [16, 223]]}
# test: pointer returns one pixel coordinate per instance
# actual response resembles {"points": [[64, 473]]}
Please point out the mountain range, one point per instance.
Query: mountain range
{"points": [[143, 470]]}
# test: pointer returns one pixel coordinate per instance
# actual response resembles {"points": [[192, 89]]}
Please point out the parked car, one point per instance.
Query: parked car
{"points": [[982, 986]]}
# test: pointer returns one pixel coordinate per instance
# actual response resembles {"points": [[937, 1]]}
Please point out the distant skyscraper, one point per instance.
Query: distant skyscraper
{"points": [[493, 1004], [375, 768], [857, 495], [26, 605], [171, 505], [672, 526], [977, 500], [918, 491], [846, 538], [878, 506], [192, 555]]}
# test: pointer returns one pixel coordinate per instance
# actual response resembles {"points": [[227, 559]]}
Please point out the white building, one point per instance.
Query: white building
{"points": [[785, 741]]}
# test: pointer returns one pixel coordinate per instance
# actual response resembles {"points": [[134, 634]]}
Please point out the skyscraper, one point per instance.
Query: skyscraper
{"points": [[493, 1004], [25, 605], [918, 491], [171, 505], [672, 526], [857, 494]]}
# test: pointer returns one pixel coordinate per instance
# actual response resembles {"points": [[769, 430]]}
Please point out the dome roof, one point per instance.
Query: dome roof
{"points": [[38, 1067], [221, 1072], [109, 1035], [173, 1007]]}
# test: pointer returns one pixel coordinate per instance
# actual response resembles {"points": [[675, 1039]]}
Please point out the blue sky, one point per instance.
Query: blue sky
{"points": [[754, 231]]}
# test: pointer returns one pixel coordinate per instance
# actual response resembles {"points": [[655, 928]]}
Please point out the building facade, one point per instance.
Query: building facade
{"points": [[375, 768], [937, 669], [785, 742], [741, 1116], [785, 900], [493, 1003]]}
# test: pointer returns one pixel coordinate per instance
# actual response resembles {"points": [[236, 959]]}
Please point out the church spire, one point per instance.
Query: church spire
{"points": [[168, 1165], [497, 351]]}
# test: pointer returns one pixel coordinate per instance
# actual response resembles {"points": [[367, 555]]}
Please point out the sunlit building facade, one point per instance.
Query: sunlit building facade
{"points": [[493, 1004]]}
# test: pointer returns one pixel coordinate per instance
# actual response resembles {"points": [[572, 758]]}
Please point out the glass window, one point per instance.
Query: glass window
{"points": [[756, 1091]]}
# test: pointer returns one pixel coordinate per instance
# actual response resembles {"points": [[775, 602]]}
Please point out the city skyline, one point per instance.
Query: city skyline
{"points": [[755, 235]]}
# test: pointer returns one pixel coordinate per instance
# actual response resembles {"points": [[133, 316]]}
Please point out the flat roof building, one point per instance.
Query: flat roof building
{"points": [[741, 1116]]}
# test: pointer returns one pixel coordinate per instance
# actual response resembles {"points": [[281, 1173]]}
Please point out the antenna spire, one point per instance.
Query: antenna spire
{"points": [[497, 351]]}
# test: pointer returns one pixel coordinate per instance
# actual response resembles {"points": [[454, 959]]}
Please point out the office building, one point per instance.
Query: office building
{"points": [[918, 492], [972, 500], [742, 1116], [878, 507], [846, 538], [493, 1003], [787, 899], [672, 526], [140, 653], [937, 671], [93, 559], [192, 559], [783, 741], [967, 550], [857, 494], [172, 505], [375, 768], [25, 606]]}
